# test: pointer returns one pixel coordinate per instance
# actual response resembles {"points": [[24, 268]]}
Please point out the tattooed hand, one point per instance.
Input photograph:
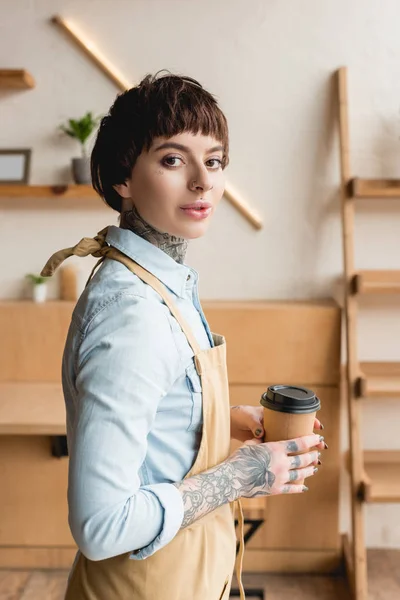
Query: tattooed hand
{"points": [[254, 469], [264, 469]]}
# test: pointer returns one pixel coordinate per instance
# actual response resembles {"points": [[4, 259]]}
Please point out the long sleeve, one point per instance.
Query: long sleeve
{"points": [[125, 364]]}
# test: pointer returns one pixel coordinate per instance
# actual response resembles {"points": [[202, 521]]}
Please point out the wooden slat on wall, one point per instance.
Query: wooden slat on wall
{"points": [[287, 342]]}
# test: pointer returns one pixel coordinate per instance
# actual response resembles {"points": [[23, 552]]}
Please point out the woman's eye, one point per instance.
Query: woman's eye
{"points": [[171, 158], [169, 161], [217, 160]]}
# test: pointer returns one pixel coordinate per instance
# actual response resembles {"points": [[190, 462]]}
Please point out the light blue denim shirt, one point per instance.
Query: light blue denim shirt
{"points": [[133, 401]]}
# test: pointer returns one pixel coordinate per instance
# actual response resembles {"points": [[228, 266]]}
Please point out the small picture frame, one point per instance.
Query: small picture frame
{"points": [[15, 165]]}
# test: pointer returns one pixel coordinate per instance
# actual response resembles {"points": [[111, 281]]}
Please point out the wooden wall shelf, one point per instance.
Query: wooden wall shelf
{"points": [[377, 282], [44, 197], [379, 379], [16, 79], [374, 188], [47, 191], [382, 475]]}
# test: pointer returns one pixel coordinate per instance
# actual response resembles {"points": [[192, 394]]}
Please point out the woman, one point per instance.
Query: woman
{"points": [[151, 481]]}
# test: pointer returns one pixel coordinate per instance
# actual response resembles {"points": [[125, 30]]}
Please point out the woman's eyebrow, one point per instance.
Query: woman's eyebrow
{"points": [[185, 148]]}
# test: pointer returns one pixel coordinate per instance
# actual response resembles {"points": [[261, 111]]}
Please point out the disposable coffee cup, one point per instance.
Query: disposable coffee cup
{"points": [[289, 412]]}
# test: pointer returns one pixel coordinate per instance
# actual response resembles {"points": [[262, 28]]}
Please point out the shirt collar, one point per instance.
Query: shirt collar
{"points": [[172, 274]]}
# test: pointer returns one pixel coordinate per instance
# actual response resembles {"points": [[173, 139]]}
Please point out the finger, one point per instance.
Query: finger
{"points": [[256, 424], [244, 436], [251, 423], [298, 474], [304, 443], [252, 442], [304, 460], [291, 489], [318, 424], [258, 431]]}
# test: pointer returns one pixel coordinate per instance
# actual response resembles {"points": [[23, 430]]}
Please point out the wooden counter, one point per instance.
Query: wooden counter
{"points": [[267, 342]]}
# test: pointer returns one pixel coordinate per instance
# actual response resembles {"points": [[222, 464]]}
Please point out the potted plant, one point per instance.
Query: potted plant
{"points": [[39, 287], [81, 129]]}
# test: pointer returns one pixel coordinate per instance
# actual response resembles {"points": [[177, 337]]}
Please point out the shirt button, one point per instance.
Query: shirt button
{"points": [[188, 277]]}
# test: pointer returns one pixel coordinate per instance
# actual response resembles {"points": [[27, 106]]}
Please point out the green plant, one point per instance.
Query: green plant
{"points": [[36, 279], [81, 129]]}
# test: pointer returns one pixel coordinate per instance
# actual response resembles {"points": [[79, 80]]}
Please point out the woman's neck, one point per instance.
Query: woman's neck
{"points": [[174, 246]]}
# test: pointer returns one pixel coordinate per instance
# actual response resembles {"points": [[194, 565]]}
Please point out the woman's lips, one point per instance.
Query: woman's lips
{"points": [[198, 213]]}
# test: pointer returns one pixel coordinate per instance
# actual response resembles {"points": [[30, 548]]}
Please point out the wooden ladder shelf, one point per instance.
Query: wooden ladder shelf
{"points": [[374, 475], [379, 379], [382, 476], [376, 282]]}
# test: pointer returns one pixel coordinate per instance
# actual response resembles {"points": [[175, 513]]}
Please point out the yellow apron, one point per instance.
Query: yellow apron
{"points": [[198, 563]]}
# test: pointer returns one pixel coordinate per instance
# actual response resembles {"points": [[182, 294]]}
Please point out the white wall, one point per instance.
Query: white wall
{"points": [[270, 65]]}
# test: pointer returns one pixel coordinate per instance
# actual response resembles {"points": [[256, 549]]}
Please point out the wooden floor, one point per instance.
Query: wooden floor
{"points": [[384, 583]]}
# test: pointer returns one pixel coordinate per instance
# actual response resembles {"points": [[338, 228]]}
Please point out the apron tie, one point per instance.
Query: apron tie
{"points": [[239, 560], [96, 247]]}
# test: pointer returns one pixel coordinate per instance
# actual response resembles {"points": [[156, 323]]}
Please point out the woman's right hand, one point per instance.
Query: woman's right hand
{"points": [[265, 469]]}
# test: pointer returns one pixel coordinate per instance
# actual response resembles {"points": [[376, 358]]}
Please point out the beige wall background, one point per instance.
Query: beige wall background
{"points": [[269, 63]]}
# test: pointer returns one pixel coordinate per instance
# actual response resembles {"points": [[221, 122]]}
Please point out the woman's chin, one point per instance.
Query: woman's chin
{"points": [[189, 230], [194, 231]]}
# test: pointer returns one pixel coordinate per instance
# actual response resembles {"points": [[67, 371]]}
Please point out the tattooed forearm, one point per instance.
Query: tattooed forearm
{"points": [[207, 491], [244, 474]]}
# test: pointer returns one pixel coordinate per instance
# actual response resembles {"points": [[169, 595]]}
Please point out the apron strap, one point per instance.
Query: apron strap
{"points": [[157, 286], [239, 560]]}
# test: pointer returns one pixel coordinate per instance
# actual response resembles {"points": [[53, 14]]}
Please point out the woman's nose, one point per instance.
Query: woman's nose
{"points": [[202, 180]]}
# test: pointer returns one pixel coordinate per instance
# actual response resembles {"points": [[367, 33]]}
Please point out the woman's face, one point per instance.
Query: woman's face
{"points": [[176, 172]]}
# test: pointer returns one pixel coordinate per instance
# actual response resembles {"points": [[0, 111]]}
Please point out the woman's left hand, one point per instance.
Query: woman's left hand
{"points": [[247, 423]]}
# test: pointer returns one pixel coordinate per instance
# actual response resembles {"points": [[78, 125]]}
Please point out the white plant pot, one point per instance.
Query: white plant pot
{"points": [[39, 292]]}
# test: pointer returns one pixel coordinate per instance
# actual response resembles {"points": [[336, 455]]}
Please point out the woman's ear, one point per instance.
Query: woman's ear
{"points": [[123, 190]]}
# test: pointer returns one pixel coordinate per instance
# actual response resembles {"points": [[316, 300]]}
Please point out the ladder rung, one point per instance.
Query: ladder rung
{"points": [[379, 379], [376, 282], [375, 188], [380, 476], [382, 468]]}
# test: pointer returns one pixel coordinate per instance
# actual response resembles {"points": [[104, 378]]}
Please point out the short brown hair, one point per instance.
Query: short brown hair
{"points": [[158, 106]]}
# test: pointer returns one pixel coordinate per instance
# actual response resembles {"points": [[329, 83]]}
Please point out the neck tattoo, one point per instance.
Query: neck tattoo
{"points": [[174, 246]]}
